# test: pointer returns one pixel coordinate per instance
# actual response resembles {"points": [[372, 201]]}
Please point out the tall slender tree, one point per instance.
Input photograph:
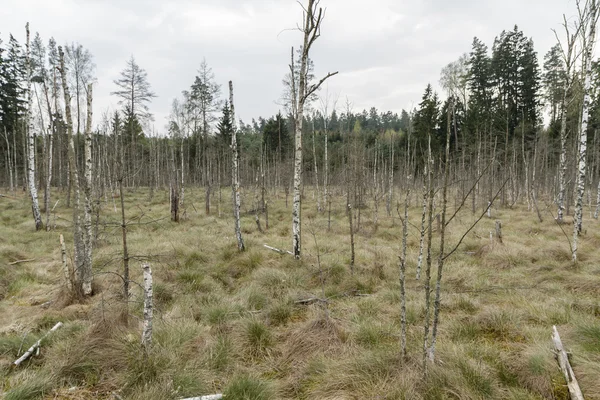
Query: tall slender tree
{"points": [[37, 215], [313, 17]]}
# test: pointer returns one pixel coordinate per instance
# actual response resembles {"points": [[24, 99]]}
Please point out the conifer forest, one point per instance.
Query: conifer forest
{"points": [[445, 250]]}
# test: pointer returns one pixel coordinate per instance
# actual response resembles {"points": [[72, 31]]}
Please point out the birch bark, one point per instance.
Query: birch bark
{"points": [[35, 206], [581, 169], [235, 179]]}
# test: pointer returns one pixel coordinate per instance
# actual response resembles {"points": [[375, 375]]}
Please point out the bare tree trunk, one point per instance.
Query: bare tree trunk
{"points": [[316, 171], [562, 171], [352, 254], [533, 179], [125, 250], [423, 228], [298, 107], [235, 179], [597, 202], [147, 329], [326, 175], [569, 58], [311, 30], [85, 272], [49, 173], [73, 174], [37, 216], [391, 175], [428, 259], [65, 266], [441, 257], [581, 170], [403, 278]]}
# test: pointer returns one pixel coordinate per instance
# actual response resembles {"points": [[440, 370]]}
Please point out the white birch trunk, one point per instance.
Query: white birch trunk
{"points": [[597, 202], [49, 177], [235, 181], [326, 172], [73, 174], [422, 235], [147, 328], [316, 172], [581, 170], [66, 271], [36, 345], [85, 271], [441, 256], [562, 171], [311, 30], [35, 206], [299, 117], [403, 277]]}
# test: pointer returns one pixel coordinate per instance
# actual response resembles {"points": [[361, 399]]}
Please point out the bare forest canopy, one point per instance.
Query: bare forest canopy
{"points": [[500, 91]]}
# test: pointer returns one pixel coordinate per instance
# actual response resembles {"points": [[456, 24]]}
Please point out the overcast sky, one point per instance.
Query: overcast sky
{"points": [[386, 51]]}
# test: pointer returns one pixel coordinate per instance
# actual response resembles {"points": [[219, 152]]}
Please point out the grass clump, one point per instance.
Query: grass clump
{"points": [[258, 337], [33, 387], [280, 313], [248, 388], [219, 355], [590, 337]]}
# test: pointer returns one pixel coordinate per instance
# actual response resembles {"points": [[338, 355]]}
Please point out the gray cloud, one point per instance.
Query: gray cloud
{"points": [[385, 50]]}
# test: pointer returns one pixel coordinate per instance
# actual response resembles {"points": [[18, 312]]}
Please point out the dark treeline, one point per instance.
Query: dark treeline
{"points": [[500, 103]]}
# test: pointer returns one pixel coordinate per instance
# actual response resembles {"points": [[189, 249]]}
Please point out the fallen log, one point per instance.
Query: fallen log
{"points": [[278, 250], [207, 397], [565, 367], [36, 346]]}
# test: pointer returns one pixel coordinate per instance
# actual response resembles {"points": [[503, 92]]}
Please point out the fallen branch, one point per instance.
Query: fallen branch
{"points": [[565, 367], [311, 301], [278, 250], [36, 346], [21, 261], [207, 397]]}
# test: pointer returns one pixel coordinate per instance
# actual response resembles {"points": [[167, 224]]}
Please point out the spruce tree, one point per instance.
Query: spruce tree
{"points": [[553, 81]]}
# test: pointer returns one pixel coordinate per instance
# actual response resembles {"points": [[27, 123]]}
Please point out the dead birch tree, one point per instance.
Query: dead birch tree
{"points": [[73, 175], [85, 271], [403, 277], [590, 16], [35, 206], [312, 19], [235, 178], [148, 311], [569, 58], [440, 267]]}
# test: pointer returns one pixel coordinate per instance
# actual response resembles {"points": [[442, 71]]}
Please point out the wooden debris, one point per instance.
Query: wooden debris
{"points": [[207, 397], [21, 261], [565, 366], [278, 250], [36, 345]]}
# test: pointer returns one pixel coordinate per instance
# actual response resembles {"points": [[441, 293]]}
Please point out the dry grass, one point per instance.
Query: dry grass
{"points": [[229, 322]]}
